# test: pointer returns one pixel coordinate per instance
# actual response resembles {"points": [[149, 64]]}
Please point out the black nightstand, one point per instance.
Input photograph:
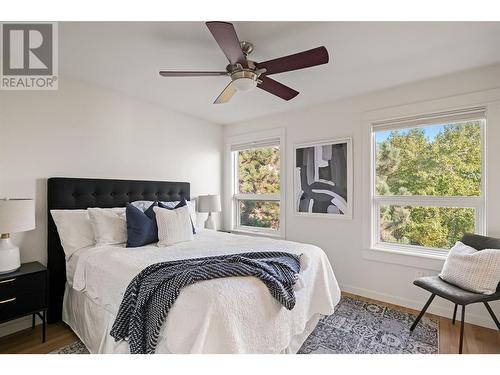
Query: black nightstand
{"points": [[24, 292]]}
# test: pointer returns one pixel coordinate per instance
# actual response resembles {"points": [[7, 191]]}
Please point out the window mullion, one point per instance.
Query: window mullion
{"points": [[419, 200], [257, 197]]}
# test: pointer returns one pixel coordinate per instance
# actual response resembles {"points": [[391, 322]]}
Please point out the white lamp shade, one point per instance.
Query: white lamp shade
{"points": [[209, 203], [17, 215]]}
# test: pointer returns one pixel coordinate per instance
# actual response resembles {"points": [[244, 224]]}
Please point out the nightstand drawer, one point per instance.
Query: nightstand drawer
{"points": [[10, 287], [21, 304]]}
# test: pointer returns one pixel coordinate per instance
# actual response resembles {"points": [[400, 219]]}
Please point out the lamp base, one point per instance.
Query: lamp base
{"points": [[210, 222], [9, 256]]}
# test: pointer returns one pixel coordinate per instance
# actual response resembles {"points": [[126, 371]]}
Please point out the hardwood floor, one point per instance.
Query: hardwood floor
{"points": [[477, 340], [29, 341]]}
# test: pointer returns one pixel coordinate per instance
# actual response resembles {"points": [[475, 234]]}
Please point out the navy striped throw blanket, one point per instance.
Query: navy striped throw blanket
{"points": [[152, 293]]}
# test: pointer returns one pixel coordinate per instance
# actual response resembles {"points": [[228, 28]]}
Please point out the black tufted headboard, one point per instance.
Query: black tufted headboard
{"points": [[82, 193]]}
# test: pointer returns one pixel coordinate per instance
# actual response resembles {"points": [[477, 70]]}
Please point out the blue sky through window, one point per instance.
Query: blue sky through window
{"points": [[429, 131]]}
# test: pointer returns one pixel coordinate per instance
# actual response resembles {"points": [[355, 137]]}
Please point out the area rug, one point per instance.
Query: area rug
{"points": [[360, 327], [75, 348], [356, 327]]}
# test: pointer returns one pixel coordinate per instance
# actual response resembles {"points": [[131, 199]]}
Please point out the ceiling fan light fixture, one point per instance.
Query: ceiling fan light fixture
{"points": [[244, 84], [244, 80]]}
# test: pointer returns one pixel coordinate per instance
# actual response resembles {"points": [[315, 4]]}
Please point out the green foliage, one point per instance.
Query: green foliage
{"points": [[259, 173], [408, 163], [262, 214]]}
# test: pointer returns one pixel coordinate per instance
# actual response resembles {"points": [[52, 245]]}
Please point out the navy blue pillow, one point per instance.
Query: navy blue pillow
{"points": [[182, 203], [141, 226]]}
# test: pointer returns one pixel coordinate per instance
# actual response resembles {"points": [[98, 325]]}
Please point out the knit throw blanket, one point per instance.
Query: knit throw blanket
{"points": [[152, 293]]}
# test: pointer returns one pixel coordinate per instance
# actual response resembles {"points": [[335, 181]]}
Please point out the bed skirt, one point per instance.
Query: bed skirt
{"points": [[92, 323]]}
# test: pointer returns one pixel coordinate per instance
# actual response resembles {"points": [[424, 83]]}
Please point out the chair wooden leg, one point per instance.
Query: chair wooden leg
{"points": [[462, 331], [492, 314], [422, 312], [454, 314]]}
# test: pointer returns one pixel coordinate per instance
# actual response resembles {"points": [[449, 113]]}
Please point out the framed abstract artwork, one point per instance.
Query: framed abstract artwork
{"points": [[323, 178]]}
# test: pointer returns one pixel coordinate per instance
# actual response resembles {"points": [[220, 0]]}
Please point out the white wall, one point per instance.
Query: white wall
{"points": [[346, 241], [86, 131]]}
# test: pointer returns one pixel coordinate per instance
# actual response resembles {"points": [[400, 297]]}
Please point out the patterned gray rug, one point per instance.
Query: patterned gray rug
{"points": [[356, 327], [76, 348], [359, 327]]}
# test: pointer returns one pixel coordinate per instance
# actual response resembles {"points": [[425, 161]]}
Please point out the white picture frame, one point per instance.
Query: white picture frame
{"points": [[341, 202]]}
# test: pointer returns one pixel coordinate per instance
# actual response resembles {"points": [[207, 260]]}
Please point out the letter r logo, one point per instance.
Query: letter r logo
{"points": [[27, 49]]}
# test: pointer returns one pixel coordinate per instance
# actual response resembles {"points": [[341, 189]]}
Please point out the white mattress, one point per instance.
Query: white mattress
{"points": [[228, 315]]}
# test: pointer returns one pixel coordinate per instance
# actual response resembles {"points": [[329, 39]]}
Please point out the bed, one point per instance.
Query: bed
{"points": [[227, 315]]}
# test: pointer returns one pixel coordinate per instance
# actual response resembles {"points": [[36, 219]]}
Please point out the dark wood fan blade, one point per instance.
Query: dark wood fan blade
{"points": [[301, 60], [170, 73], [228, 41], [276, 88], [226, 94]]}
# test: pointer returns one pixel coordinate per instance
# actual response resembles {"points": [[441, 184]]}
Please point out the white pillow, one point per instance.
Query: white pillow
{"points": [[144, 205], [173, 225], [74, 228], [473, 270], [190, 204], [192, 212], [109, 225]]}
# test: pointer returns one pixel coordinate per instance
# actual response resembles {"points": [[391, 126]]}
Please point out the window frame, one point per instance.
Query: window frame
{"points": [[478, 203], [249, 141]]}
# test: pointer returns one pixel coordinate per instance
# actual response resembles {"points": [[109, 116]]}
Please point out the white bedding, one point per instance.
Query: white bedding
{"points": [[228, 315]]}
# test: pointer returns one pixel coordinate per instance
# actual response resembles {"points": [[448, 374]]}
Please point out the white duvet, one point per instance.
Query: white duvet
{"points": [[228, 315]]}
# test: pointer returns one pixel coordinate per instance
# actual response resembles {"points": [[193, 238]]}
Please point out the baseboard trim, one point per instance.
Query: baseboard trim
{"points": [[436, 309]]}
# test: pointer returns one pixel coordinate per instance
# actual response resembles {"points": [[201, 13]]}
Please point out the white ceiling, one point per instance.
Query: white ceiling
{"points": [[364, 56]]}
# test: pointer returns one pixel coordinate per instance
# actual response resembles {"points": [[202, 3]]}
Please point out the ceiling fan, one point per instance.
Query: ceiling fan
{"points": [[246, 74]]}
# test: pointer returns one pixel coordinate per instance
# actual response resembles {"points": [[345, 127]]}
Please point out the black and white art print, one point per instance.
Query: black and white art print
{"points": [[323, 178]]}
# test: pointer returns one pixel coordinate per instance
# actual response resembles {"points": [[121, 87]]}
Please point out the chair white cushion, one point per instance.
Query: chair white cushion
{"points": [[109, 225], [173, 225], [74, 228], [472, 270]]}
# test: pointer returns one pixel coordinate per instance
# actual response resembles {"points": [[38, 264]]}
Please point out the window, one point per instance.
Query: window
{"points": [[427, 180], [257, 187]]}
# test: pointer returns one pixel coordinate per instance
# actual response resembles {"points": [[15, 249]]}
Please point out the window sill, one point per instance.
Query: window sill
{"points": [[256, 233], [424, 259]]}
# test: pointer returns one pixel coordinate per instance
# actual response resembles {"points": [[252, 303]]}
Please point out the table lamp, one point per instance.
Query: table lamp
{"points": [[209, 203], [16, 215]]}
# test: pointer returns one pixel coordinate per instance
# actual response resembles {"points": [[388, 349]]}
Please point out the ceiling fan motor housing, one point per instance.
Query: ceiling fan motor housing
{"points": [[246, 47]]}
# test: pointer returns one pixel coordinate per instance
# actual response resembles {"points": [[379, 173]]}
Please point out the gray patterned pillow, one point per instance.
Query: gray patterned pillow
{"points": [[473, 270]]}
